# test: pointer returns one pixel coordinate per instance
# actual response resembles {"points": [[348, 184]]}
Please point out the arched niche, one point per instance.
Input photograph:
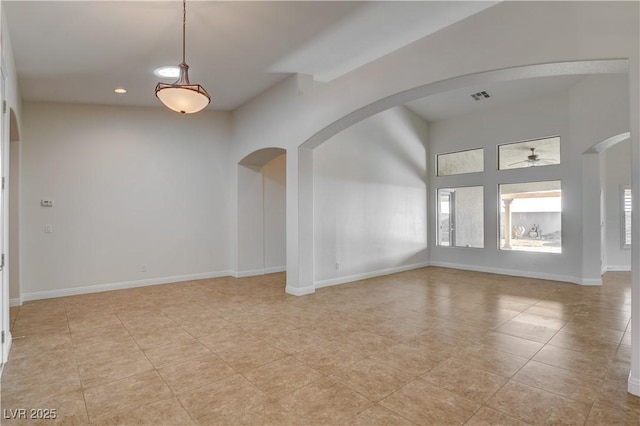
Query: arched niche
{"points": [[261, 177]]}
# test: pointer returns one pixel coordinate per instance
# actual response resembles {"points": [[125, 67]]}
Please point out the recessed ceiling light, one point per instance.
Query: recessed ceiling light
{"points": [[120, 90], [167, 71]]}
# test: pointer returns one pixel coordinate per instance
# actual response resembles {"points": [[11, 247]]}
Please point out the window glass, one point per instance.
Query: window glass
{"points": [[626, 219], [461, 217], [456, 163], [538, 152], [531, 216]]}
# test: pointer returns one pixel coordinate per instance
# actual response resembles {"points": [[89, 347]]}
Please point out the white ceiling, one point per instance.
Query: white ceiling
{"points": [[459, 102], [79, 51]]}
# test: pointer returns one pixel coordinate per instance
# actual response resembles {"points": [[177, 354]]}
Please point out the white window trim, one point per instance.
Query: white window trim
{"points": [[623, 221]]}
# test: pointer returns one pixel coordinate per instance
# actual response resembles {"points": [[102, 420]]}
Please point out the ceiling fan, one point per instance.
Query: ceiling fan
{"points": [[533, 160]]}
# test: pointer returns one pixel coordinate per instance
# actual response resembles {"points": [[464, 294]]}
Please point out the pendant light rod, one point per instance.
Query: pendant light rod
{"points": [[183, 96], [184, 29]]}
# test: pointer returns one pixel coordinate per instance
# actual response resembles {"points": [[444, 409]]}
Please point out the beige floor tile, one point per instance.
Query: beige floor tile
{"points": [[593, 331], [85, 322], [65, 409], [583, 388], [224, 401], [59, 362], [613, 393], [512, 344], [247, 356], [536, 406], [107, 349], [328, 358], [147, 324], [296, 340], [537, 333], [579, 362], [107, 369], [161, 356], [410, 359], [27, 389], [456, 335], [204, 327], [40, 328], [584, 344], [225, 338], [379, 416], [325, 402], [125, 394], [372, 379], [465, 380], [282, 376], [486, 358], [366, 343], [424, 403], [163, 412], [195, 373], [536, 319], [167, 336], [607, 416], [38, 344], [488, 417]]}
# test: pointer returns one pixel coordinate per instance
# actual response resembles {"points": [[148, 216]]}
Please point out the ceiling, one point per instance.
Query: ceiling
{"points": [[80, 51], [459, 102]]}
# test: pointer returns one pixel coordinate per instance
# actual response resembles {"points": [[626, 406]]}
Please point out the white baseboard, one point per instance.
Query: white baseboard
{"points": [[49, 294], [524, 274], [15, 302], [250, 273], [372, 274], [618, 268], [8, 342], [300, 291], [633, 385], [256, 272]]}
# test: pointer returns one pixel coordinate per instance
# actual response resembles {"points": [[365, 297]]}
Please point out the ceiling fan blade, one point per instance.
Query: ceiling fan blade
{"points": [[519, 162], [547, 161]]}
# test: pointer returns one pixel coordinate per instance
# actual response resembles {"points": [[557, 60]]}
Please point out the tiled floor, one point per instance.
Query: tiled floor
{"points": [[430, 346]]}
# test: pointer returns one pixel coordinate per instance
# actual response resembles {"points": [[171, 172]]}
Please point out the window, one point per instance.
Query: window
{"points": [[531, 216], [538, 152], [626, 217], [461, 217], [460, 162]]}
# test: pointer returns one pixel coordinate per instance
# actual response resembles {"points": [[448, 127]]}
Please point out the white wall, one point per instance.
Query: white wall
{"points": [[262, 217], [275, 219], [130, 186], [617, 175], [548, 116], [370, 200]]}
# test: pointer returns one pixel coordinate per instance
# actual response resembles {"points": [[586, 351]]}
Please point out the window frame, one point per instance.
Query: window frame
{"points": [[624, 190], [501, 249], [437, 159], [452, 189], [524, 141]]}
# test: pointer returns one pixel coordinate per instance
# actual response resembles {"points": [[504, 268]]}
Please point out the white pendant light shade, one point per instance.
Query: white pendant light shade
{"points": [[182, 96]]}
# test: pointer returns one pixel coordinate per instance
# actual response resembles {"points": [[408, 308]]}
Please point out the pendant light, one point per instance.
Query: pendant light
{"points": [[182, 96]]}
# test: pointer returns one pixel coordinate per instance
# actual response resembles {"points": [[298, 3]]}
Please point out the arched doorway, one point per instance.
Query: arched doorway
{"points": [[261, 213]]}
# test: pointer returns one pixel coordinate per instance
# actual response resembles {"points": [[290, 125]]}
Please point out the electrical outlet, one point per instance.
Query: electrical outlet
{"points": [[48, 228], [143, 268]]}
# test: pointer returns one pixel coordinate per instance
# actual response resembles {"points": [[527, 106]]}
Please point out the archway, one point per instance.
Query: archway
{"points": [[607, 164], [15, 293], [261, 213]]}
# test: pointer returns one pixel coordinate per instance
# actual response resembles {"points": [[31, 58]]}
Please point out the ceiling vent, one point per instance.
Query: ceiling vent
{"points": [[480, 96]]}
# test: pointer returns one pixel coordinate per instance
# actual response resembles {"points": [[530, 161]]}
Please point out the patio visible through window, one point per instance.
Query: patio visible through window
{"points": [[531, 217]]}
